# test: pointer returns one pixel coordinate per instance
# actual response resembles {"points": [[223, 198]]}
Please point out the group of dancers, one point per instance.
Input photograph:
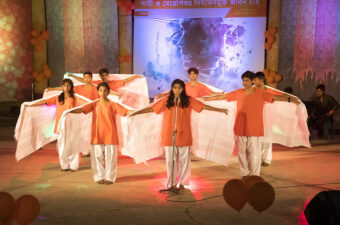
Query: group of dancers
{"points": [[176, 107]]}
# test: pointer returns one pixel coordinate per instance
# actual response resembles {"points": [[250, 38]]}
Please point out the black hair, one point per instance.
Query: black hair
{"points": [[288, 90], [103, 70], [259, 75], [184, 97], [88, 72], [61, 97], [103, 84], [193, 69], [321, 87], [248, 74]]}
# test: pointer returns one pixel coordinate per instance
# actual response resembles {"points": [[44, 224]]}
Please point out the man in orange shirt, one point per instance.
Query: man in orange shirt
{"points": [[259, 81], [193, 88], [248, 127], [104, 138], [184, 104]]}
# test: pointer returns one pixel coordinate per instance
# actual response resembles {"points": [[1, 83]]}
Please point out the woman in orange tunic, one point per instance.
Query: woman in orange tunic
{"points": [[104, 138], [66, 100], [177, 107]]}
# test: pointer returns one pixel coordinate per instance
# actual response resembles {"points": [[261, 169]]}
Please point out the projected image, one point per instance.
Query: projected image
{"points": [[222, 49]]}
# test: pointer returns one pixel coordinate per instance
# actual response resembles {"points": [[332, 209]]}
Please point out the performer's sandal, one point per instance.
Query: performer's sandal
{"points": [[100, 182]]}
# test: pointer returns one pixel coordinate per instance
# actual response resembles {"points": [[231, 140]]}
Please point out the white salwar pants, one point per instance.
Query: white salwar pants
{"points": [[267, 152], [67, 162], [249, 154], [181, 167], [109, 171]]}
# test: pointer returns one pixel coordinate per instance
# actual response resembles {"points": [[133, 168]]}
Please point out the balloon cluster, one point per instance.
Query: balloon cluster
{"points": [[126, 5], [270, 36], [38, 38], [24, 210], [45, 73], [272, 76], [125, 58], [254, 190]]}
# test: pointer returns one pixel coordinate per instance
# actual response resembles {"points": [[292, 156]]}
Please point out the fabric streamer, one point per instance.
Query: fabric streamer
{"points": [[35, 126]]}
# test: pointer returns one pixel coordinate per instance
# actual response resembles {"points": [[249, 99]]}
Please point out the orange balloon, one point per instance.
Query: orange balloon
{"points": [[261, 196], [273, 30], [267, 46], [128, 58], [235, 194], [271, 39], [272, 73], [251, 180], [34, 74], [267, 34], [278, 78], [27, 208], [40, 77], [269, 79], [34, 41], [7, 206], [38, 47], [45, 35], [44, 67], [40, 39], [121, 58], [47, 73], [266, 72], [34, 33]]}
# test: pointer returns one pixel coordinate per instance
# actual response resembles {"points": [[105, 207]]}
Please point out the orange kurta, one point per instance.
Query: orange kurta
{"points": [[273, 91], [89, 92], [113, 84], [183, 122], [69, 103], [104, 129], [197, 91], [249, 116]]}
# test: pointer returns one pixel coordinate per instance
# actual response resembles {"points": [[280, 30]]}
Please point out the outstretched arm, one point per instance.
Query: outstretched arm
{"points": [[146, 110], [54, 89], [75, 77], [116, 93], [212, 98], [79, 110], [286, 99], [290, 96], [216, 93], [162, 95], [42, 102], [131, 78], [211, 108]]}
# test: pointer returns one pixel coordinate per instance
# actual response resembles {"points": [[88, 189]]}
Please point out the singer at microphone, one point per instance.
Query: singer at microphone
{"points": [[177, 109]]}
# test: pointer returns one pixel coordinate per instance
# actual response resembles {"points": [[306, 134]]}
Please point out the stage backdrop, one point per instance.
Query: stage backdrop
{"points": [[84, 36], [16, 59], [310, 46], [222, 38]]}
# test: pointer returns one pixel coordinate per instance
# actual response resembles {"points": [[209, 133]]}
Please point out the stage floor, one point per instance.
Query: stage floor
{"points": [[297, 174]]}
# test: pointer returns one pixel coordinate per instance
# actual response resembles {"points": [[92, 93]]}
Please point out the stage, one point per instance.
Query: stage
{"points": [[74, 198]]}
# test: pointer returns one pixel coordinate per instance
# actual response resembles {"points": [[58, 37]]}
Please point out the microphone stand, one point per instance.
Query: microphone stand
{"points": [[172, 188]]}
